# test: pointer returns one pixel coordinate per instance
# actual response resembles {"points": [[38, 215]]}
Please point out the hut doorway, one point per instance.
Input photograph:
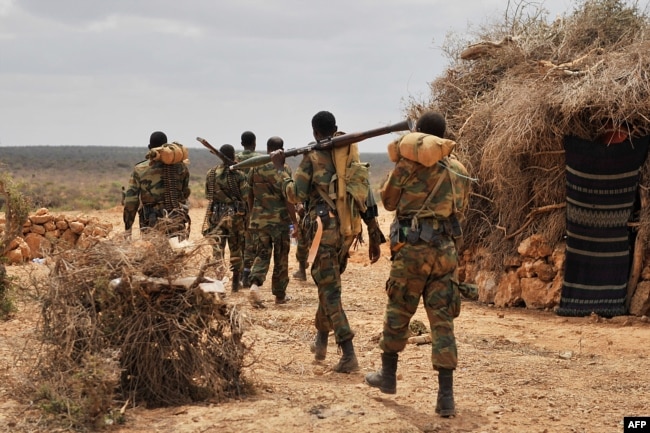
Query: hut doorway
{"points": [[602, 180]]}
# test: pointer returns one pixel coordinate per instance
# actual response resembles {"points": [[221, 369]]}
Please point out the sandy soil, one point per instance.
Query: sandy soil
{"points": [[519, 370]]}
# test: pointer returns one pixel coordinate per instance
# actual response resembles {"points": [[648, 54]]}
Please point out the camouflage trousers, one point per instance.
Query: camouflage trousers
{"points": [[249, 248], [275, 239], [302, 249], [326, 274], [229, 232], [423, 271]]}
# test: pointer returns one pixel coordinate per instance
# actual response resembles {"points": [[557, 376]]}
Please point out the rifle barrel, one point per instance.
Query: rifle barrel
{"points": [[337, 141], [252, 162]]}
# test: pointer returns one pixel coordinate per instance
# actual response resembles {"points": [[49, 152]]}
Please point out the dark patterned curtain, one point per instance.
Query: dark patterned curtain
{"points": [[601, 188]]}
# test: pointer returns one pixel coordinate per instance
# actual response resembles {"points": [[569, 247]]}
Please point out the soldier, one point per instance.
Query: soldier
{"points": [[428, 204], [248, 142], [158, 190], [225, 218], [269, 225], [313, 176]]}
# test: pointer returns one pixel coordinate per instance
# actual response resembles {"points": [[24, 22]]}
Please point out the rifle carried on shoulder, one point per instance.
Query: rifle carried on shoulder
{"points": [[329, 143], [213, 150]]}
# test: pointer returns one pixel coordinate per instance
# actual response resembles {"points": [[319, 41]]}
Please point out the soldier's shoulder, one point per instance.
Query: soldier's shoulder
{"points": [[141, 166]]}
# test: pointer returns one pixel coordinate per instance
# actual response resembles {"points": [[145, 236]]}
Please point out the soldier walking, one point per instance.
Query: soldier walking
{"points": [[269, 226], [225, 218], [429, 202]]}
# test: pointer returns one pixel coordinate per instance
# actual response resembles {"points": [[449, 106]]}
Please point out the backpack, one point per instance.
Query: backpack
{"points": [[169, 153], [348, 189]]}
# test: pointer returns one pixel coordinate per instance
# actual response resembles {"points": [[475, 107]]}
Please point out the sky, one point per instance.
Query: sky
{"points": [[110, 72]]}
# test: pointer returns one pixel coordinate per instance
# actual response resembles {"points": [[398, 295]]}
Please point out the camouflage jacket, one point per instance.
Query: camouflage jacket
{"points": [[219, 191], [315, 170], [408, 186], [217, 188], [146, 187], [269, 205], [246, 154]]}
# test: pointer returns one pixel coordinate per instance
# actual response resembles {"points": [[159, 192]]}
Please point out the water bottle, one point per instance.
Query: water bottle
{"points": [[294, 240]]}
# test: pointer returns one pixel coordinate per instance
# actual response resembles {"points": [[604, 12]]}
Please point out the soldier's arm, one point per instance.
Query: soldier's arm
{"points": [[131, 201], [296, 188]]}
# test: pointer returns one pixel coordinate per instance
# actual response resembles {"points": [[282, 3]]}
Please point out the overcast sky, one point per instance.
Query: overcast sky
{"points": [[109, 72]]}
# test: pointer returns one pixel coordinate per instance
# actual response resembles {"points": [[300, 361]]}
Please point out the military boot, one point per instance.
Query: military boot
{"points": [[301, 273], [319, 346], [348, 362], [236, 284], [445, 404], [245, 279], [385, 378]]}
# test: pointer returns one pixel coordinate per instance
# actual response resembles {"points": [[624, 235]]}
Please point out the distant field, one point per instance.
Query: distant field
{"points": [[90, 178]]}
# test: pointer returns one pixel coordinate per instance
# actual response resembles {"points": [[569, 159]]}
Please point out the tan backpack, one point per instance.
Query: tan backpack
{"points": [[169, 153], [348, 189]]}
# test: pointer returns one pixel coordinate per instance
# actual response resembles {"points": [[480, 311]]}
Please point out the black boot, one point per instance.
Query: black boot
{"points": [[301, 273], [245, 279], [319, 346], [385, 378], [445, 405], [235, 281], [348, 362]]}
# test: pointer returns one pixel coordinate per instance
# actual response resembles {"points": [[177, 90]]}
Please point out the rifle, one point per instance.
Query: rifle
{"points": [[329, 143], [213, 150]]}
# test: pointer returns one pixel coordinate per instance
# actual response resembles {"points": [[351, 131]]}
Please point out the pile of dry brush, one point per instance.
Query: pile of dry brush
{"points": [[119, 315], [510, 99]]}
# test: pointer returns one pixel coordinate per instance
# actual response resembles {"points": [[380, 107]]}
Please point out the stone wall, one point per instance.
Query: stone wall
{"points": [[44, 233]]}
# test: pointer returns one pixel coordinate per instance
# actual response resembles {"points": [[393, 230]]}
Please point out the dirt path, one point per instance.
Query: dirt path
{"points": [[520, 370]]}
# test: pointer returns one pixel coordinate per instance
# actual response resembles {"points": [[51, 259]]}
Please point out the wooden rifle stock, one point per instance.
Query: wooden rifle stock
{"points": [[331, 142], [213, 150]]}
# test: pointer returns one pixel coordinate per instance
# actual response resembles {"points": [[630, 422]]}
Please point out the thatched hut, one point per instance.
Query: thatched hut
{"points": [[553, 119]]}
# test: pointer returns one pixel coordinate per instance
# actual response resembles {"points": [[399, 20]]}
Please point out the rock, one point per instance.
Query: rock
{"points": [[509, 290], [534, 246], [487, 286], [535, 292], [640, 303], [15, 256], [38, 245], [76, 227]]}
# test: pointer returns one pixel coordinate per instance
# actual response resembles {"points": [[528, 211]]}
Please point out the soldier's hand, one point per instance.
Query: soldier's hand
{"points": [[277, 157], [375, 239]]}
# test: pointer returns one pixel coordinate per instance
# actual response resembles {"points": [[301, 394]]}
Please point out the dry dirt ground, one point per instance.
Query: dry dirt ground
{"points": [[519, 370]]}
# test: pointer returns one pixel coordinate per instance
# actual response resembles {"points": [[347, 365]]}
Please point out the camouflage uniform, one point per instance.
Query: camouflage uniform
{"points": [[424, 269], [225, 218], [317, 169], [269, 225], [302, 247], [249, 246], [146, 192]]}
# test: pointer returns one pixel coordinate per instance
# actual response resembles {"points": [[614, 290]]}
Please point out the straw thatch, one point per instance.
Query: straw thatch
{"points": [[510, 104], [145, 302]]}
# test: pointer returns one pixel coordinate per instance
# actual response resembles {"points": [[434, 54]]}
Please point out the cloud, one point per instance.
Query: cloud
{"points": [[98, 72]]}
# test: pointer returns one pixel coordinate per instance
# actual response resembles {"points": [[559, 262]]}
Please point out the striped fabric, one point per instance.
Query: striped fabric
{"points": [[601, 188]]}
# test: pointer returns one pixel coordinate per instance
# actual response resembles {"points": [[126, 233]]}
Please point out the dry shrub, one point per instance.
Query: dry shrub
{"points": [[510, 108], [136, 307]]}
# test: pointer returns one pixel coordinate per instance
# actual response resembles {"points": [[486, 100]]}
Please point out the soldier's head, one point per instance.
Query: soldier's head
{"points": [[157, 139], [323, 125], [274, 143], [248, 140], [228, 151], [431, 122]]}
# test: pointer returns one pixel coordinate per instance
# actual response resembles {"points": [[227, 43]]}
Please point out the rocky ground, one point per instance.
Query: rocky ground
{"points": [[519, 370]]}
